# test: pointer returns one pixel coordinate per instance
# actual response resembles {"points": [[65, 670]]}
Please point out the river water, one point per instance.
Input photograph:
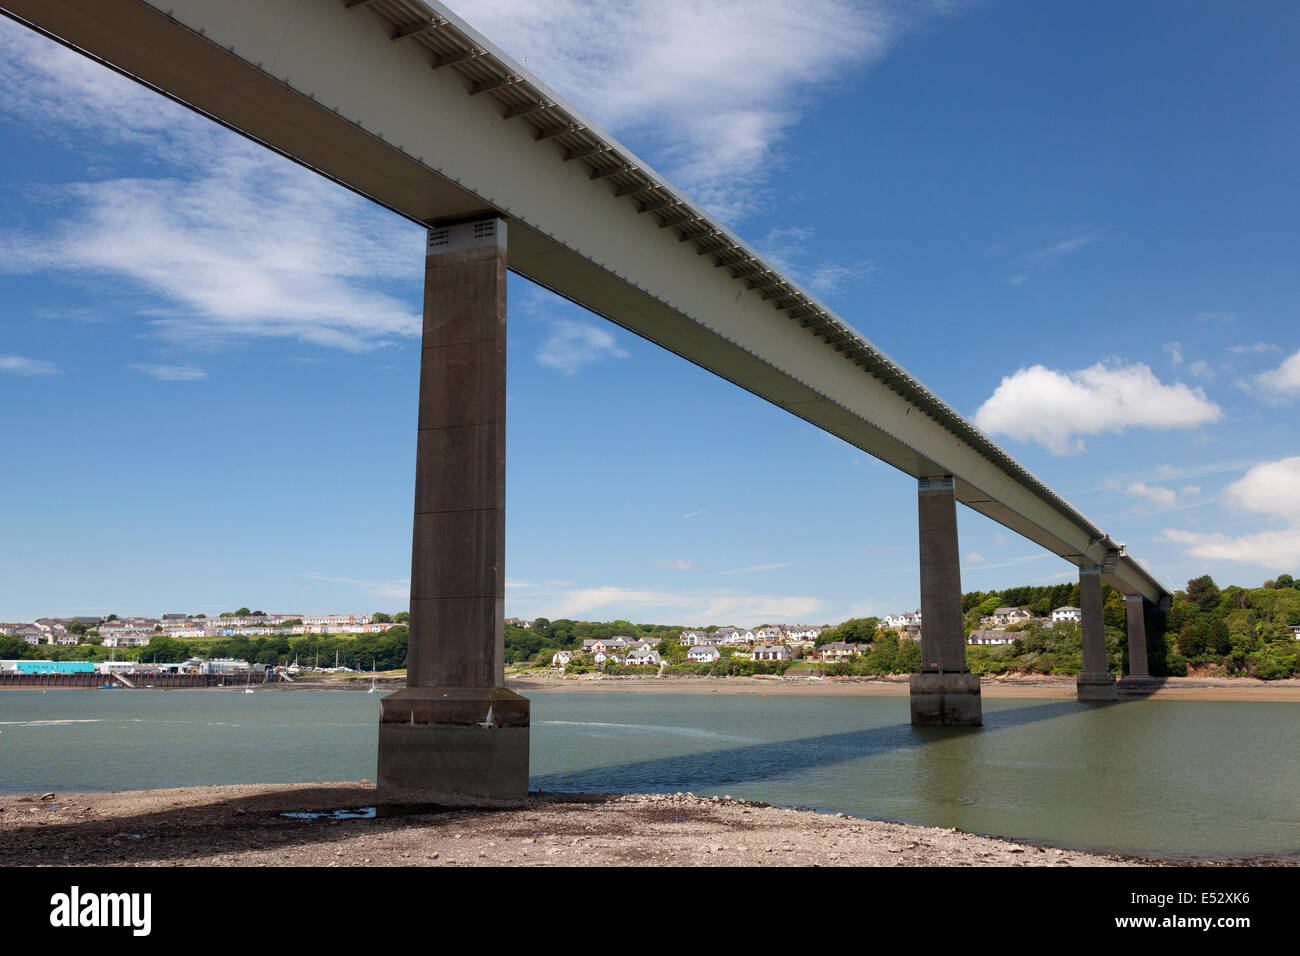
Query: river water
{"points": [[1152, 777]]}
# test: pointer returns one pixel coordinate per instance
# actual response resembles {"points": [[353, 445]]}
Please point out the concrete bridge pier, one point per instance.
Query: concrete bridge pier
{"points": [[1135, 605], [944, 693], [1096, 682], [454, 733]]}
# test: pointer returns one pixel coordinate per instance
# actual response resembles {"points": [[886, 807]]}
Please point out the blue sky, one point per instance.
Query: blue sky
{"points": [[1075, 222]]}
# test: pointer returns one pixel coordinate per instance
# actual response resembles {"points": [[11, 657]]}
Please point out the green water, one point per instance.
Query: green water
{"points": [[1178, 778]]}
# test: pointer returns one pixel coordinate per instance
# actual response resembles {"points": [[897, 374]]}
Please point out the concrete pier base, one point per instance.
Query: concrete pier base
{"points": [[946, 700], [1096, 687], [447, 744]]}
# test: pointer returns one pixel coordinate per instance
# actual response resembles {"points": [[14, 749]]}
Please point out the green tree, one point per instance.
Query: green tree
{"points": [[1203, 592]]}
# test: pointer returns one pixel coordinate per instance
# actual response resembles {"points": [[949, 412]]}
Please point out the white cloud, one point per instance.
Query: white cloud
{"points": [[1175, 350], [1272, 489], [21, 365], [571, 344], [975, 558], [1256, 347], [1283, 381], [1052, 408], [714, 88], [172, 373]]}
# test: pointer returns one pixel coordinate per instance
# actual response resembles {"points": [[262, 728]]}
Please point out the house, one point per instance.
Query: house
{"points": [[127, 640], [644, 657], [802, 632], [1066, 614], [992, 636], [561, 658], [840, 651], [772, 652], [1004, 616], [703, 654], [770, 634], [692, 638]]}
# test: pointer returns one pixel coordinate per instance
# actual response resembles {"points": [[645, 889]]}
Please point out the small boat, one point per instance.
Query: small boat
{"points": [[373, 688]]}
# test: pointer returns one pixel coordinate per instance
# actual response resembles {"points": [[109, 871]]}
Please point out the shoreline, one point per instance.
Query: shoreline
{"points": [[245, 825], [1042, 687]]}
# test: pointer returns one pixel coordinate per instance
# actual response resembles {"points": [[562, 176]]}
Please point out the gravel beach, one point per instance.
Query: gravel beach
{"points": [[245, 826]]}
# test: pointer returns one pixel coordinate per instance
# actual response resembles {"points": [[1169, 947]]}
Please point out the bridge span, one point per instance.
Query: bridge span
{"points": [[405, 103]]}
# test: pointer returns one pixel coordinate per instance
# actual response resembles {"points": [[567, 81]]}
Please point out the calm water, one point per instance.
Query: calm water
{"points": [[1183, 778]]}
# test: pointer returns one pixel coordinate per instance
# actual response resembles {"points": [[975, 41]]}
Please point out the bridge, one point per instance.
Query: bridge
{"points": [[406, 104]]}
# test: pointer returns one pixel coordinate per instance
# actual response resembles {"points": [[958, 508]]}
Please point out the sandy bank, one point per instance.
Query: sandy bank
{"points": [[243, 826], [1178, 688]]}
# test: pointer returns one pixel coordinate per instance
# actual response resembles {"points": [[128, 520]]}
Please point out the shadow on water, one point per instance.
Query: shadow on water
{"points": [[733, 765]]}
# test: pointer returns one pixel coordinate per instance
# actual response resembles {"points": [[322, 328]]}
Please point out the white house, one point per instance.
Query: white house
{"points": [[772, 652], [703, 654], [1066, 614], [561, 658], [643, 657], [995, 636]]}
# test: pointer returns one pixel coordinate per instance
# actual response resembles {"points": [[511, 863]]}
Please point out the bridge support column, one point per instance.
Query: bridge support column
{"points": [[1096, 682], [945, 692], [1137, 636], [454, 733]]}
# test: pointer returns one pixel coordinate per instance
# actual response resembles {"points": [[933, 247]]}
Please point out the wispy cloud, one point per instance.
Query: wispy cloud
{"points": [[758, 567], [700, 607], [1254, 348], [710, 91], [570, 345], [1271, 489], [1157, 495], [1059, 249], [21, 365], [694, 513], [789, 249], [172, 373], [393, 588], [1053, 408], [676, 564], [234, 241]]}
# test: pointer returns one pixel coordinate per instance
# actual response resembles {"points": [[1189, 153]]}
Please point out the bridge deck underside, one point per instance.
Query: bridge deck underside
{"points": [[329, 88]]}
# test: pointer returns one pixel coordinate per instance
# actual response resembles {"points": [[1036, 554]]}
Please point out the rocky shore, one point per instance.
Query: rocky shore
{"points": [[246, 826]]}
